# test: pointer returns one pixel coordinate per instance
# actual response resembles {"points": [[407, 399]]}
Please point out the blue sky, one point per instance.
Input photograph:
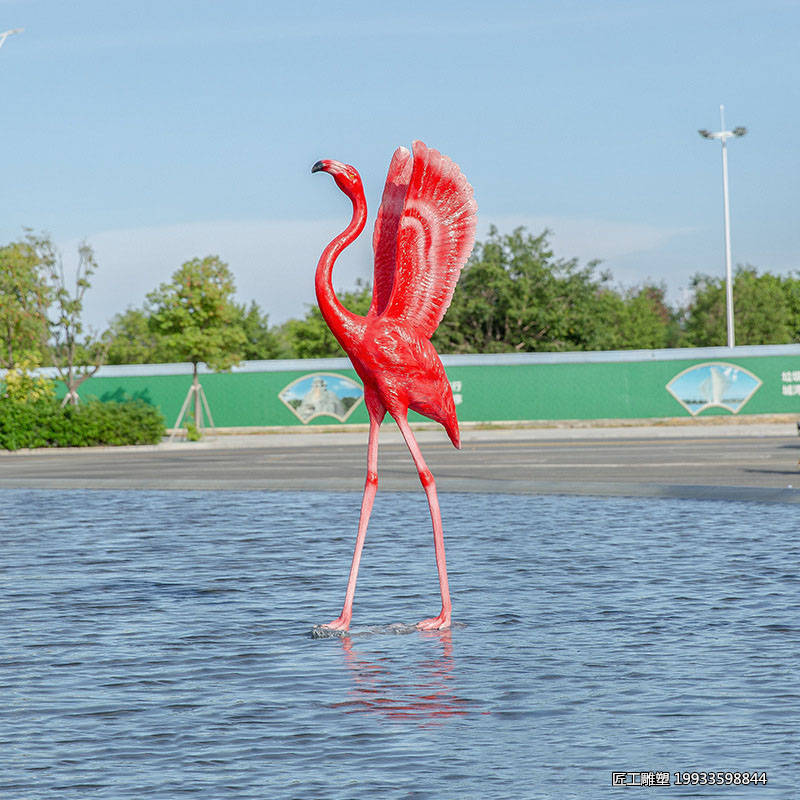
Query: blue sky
{"points": [[161, 131]]}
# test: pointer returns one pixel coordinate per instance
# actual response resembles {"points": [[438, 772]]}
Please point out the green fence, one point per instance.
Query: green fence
{"points": [[541, 386]]}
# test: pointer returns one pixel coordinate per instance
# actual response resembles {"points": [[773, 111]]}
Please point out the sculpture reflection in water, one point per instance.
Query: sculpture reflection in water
{"points": [[425, 694], [424, 234]]}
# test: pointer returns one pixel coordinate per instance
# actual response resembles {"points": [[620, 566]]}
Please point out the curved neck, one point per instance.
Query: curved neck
{"points": [[339, 319]]}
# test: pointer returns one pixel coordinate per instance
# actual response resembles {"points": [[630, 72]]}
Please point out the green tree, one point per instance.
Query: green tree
{"points": [[25, 294], [77, 352], [791, 287], [515, 295], [261, 342], [133, 341], [134, 338], [198, 321], [766, 309], [196, 316], [637, 318], [311, 337]]}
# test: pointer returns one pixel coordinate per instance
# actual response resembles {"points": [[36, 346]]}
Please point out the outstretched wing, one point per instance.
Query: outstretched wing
{"points": [[384, 238], [421, 247]]}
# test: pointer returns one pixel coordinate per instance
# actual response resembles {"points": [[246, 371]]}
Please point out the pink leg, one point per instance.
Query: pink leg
{"points": [[426, 477], [342, 622]]}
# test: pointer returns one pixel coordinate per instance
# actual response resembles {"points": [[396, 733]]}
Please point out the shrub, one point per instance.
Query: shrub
{"points": [[44, 423], [21, 385]]}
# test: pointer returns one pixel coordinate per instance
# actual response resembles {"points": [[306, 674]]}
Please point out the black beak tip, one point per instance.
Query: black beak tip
{"points": [[318, 167]]}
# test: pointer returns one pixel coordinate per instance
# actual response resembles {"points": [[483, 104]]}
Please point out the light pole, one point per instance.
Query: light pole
{"points": [[5, 34], [723, 136]]}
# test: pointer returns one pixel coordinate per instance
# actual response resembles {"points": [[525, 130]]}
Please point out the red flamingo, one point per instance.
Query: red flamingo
{"points": [[423, 235]]}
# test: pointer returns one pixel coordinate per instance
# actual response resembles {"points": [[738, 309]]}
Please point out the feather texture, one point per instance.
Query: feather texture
{"points": [[424, 234], [384, 238]]}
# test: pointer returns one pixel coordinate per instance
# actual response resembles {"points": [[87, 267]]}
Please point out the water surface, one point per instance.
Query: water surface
{"points": [[156, 644]]}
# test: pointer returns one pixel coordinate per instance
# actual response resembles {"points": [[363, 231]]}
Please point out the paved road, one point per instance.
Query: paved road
{"points": [[726, 462]]}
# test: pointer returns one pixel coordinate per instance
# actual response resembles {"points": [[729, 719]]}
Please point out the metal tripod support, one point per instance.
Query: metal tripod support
{"points": [[200, 402]]}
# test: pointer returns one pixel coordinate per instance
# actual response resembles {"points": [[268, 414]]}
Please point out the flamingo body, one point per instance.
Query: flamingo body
{"points": [[404, 371], [423, 235]]}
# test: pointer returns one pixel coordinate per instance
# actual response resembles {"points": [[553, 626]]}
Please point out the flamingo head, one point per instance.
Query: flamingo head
{"points": [[346, 177]]}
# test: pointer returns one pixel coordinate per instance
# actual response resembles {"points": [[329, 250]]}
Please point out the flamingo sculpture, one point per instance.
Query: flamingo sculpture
{"points": [[423, 236]]}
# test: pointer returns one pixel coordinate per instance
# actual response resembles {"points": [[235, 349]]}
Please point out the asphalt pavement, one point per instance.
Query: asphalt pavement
{"points": [[720, 461]]}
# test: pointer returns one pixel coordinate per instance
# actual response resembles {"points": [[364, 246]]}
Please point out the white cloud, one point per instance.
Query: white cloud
{"points": [[588, 239], [634, 252], [274, 261]]}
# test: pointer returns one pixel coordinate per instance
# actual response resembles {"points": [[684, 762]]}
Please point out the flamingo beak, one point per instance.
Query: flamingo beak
{"points": [[320, 166]]}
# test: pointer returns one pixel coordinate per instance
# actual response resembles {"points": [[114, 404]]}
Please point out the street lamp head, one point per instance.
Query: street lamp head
{"points": [[705, 134], [740, 131]]}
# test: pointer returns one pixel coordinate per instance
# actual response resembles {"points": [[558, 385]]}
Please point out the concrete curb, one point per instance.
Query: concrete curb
{"points": [[428, 433]]}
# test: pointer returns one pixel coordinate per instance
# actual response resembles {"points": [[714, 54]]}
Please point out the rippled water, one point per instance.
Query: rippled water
{"points": [[156, 645]]}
